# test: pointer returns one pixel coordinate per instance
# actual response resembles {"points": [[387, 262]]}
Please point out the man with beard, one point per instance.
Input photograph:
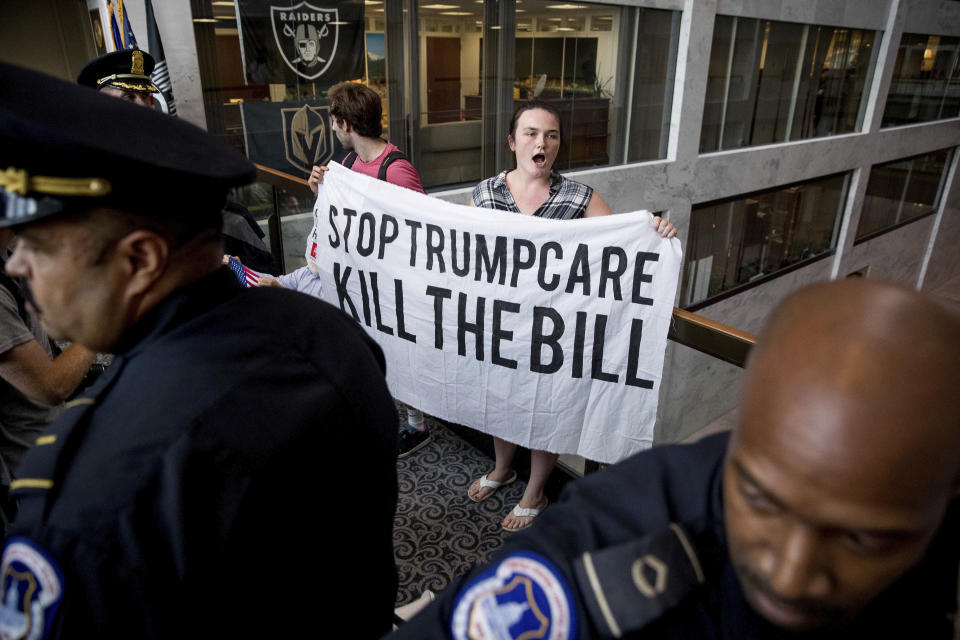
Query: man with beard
{"points": [[177, 496], [830, 512]]}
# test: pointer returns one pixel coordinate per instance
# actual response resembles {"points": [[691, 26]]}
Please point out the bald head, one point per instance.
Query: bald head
{"points": [[865, 370], [848, 449]]}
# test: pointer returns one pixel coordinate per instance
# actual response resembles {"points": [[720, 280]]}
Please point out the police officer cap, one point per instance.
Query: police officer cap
{"points": [[127, 69], [64, 148]]}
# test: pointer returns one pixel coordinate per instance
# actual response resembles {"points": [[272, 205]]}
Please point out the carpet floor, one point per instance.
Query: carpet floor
{"points": [[438, 532]]}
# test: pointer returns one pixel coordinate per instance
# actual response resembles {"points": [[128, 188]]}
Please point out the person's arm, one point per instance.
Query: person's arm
{"points": [[267, 281], [599, 207], [29, 369]]}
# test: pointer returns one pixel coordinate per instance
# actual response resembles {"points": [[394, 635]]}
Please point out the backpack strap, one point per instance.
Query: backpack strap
{"points": [[391, 157]]}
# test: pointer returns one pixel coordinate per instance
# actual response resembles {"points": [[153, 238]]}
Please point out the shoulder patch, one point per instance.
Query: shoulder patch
{"points": [[31, 591], [523, 596], [626, 587]]}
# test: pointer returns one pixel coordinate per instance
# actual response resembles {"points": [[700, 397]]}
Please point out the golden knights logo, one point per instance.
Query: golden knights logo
{"points": [[307, 136], [306, 37]]}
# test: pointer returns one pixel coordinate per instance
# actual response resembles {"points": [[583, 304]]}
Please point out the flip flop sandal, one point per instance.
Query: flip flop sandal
{"points": [[490, 484], [523, 512]]}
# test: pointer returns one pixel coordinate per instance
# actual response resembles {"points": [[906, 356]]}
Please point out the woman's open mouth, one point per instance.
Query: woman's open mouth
{"points": [[539, 159]]}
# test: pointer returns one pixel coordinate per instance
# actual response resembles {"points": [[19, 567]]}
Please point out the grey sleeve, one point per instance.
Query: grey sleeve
{"points": [[302, 280], [13, 331]]}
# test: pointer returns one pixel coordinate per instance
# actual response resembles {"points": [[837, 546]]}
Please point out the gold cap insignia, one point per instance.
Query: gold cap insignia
{"points": [[18, 181], [136, 65]]}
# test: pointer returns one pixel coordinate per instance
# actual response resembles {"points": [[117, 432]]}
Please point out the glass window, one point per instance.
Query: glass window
{"points": [[654, 67], [572, 56], [450, 132], [926, 80], [901, 191], [737, 241], [773, 81], [265, 71]]}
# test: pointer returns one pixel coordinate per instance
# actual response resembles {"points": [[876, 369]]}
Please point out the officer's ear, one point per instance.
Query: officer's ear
{"points": [[143, 256]]}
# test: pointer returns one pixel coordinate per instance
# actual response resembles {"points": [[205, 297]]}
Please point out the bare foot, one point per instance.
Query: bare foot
{"points": [[513, 522], [478, 493]]}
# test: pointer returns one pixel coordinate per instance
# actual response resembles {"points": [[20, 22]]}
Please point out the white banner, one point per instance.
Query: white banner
{"points": [[546, 333]]}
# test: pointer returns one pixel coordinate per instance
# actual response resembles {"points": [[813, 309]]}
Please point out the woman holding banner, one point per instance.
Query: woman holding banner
{"points": [[533, 188]]}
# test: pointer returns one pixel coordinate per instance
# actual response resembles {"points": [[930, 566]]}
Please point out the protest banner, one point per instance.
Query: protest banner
{"points": [[546, 333]]}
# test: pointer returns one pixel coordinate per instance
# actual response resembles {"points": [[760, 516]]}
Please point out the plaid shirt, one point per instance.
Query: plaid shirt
{"points": [[567, 200]]}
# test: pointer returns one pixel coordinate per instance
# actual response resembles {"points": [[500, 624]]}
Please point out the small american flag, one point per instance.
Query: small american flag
{"points": [[247, 277]]}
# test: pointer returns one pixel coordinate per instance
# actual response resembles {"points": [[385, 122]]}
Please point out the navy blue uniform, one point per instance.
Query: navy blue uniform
{"points": [[640, 549], [199, 489]]}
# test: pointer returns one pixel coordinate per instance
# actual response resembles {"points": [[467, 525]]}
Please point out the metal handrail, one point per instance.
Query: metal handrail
{"points": [[697, 332], [711, 337], [281, 180]]}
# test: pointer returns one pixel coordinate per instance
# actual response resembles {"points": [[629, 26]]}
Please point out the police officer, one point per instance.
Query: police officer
{"points": [[126, 75], [122, 74], [831, 511], [183, 494]]}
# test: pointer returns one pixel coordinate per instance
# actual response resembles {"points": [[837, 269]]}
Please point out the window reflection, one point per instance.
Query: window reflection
{"points": [[741, 240], [773, 81], [926, 80], [901, 191]]}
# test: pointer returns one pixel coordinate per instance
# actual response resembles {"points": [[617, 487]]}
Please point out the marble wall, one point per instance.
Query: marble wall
{"points": [[895, 256], [748, 311], [945, 258], [696, 389]]}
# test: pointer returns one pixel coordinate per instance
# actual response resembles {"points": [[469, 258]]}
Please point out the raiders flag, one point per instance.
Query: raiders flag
{"points": [[285, 42]]}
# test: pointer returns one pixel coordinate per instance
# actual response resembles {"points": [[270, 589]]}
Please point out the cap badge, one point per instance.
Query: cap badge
{"points": [[14, 180], [136, 65]]}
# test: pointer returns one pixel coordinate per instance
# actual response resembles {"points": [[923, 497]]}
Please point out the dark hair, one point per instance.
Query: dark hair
{"points": [[529, 105], [359, 106], [110, 225]]}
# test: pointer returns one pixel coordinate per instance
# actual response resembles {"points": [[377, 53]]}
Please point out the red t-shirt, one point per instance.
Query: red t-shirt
{"points": [[400, 172]]}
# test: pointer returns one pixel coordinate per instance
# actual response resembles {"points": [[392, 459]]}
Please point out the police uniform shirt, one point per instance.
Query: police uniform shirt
{"points": [[639, 551], [235, 464]]}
